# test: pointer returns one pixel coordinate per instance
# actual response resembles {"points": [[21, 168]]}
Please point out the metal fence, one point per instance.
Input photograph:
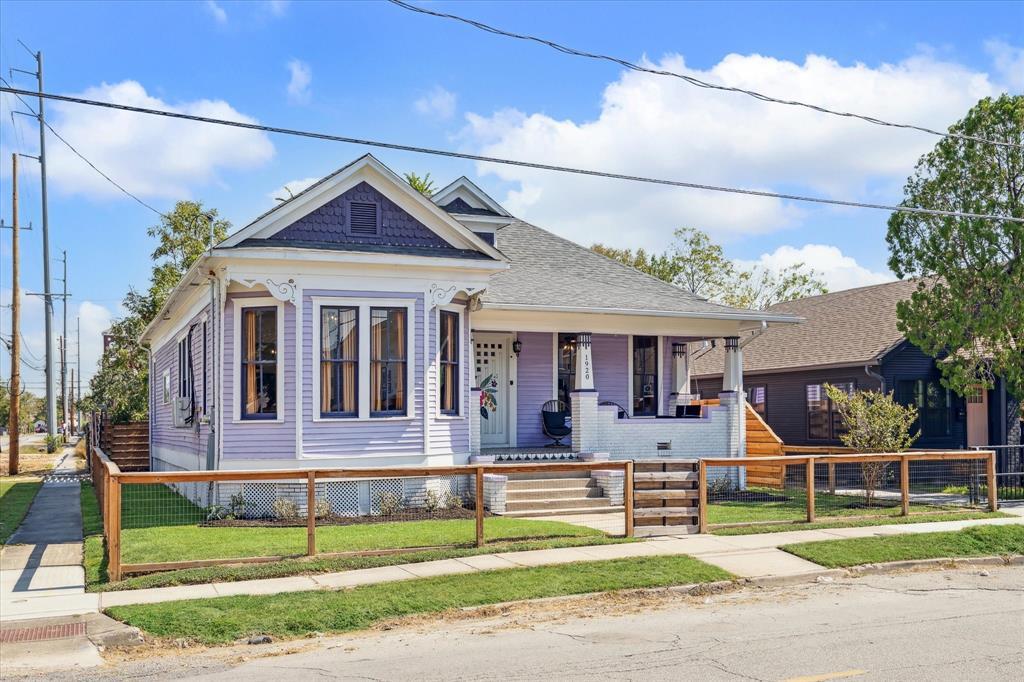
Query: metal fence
{"points": [[847, 487], [156, 521]]}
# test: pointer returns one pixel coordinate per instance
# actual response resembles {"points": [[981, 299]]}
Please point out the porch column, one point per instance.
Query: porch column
{"points": [[584, 398], [733, 383], [680, 377], [732, 378]]}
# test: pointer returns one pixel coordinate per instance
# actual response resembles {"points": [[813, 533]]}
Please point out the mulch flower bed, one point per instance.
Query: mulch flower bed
{"points": [[333, 520]]}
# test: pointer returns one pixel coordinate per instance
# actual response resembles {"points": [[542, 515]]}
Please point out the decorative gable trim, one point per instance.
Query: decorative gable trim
{"points": [[465, 191], [366, 169]]}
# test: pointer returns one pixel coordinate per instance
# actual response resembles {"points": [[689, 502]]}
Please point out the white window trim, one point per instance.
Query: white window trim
{"points": [[659, 385], [464, 342], [239, 306], [363, 305]]}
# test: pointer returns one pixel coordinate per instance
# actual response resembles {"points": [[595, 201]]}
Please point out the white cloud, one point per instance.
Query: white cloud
{"points": [[151, 156], [277, 7], [438, 103], [292, 188], [1008, 62], [838, 270], [298, 84], [216, 11], [93, 319], [658, 126]]}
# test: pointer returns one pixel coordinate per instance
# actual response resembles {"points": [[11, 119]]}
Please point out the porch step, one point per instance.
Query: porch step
{"points": [[576, 493], [556, 503], [564, 512], [525, 484]]}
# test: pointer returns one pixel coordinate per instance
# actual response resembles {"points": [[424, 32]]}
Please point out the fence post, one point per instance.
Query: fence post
{"points": [[627, 497], [831, 478], [311, 513], [905, 484], [702, 497], [993, 503], [114, 541], [810, 490], [479, 506]]}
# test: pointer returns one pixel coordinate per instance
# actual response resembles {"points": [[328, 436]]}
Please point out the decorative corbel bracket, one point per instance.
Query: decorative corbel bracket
{"points": [[442, 293]]}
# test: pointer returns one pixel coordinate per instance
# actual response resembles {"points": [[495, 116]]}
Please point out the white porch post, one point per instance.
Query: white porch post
{"points": [[584, 398], [732, 378], [681, 394], [733, 381]]}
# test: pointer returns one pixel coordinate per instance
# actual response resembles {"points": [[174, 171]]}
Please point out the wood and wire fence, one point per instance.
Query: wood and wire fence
{"points": [[172, 520], [846, 487]]}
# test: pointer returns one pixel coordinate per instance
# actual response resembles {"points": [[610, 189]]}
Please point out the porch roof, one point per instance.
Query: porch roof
{"points": [[548, 272]]}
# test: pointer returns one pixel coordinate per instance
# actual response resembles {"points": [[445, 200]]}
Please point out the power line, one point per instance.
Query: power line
{"points": [[82, 157], [510, 162], [689, 79]]}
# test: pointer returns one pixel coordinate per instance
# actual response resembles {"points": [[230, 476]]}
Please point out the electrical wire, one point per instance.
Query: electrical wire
{"points": [[509, 162], [689, 79]]}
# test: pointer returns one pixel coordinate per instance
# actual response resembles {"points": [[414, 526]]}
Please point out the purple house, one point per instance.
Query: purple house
{"points": [[355, 324]]}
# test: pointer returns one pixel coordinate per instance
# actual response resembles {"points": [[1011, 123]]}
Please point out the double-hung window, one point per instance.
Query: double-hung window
{"points": [[645, 376], [184, 375], [259, 355], [448, 358], [339, 361], [823, 419], [388, 361]]}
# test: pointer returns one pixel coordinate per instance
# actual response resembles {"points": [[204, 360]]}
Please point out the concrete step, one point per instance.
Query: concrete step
{"points": [[580, 484], [553, 504], [533, 513], [546, 475], [553, 493]]}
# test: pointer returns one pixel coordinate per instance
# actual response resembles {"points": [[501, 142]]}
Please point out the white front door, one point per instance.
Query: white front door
{"points": [[493, 362]]}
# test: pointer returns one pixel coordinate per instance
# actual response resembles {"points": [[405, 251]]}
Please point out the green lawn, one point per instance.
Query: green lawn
{"points": [[16, 495], [791, 505], [227, 619], [93, 558], [160, 526], [976, 541], [840, 522]]}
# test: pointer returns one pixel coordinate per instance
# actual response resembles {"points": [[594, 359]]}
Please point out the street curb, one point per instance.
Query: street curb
{"points": [[942, 562]]}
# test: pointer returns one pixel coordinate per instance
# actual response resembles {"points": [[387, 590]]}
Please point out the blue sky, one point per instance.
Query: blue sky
{"points": [[375, 71]]}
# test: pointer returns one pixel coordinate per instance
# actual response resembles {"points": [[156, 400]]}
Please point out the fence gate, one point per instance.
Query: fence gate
{"points": [[665, 497]]}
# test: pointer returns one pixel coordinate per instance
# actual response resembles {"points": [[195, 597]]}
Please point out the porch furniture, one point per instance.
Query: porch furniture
{"points": [[688, 411], [554, 414]]}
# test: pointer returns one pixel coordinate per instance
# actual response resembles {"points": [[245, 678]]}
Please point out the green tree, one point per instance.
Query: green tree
{"points": [[700, 266], [874, 422], [424, 185], [120, 385], [968, 308]]}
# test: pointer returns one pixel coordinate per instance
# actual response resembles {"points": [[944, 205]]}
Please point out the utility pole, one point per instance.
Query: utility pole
{"points": [[15, 393], [61, 349], [71, 403], [78, 364], [64, 347]]}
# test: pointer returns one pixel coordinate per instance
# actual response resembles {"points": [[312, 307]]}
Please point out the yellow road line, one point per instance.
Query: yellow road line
{"points": [[828, 676]]}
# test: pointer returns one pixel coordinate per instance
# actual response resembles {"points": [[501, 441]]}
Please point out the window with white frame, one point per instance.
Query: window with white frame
{"points": [[448, 362], [364, 347], [184, 368]]}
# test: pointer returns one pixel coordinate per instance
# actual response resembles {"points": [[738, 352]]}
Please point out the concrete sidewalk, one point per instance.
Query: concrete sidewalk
{"points": [[747, 556], [41, 572]]}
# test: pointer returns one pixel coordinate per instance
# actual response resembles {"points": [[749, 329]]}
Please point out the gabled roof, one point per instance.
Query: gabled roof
{"points": [[464, 197], [845, 328], [550, 272], [379, 177]]}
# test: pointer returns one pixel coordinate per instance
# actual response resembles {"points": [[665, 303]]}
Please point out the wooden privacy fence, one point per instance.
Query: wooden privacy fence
{"points": [[914, 482], [114, 490], [665, 494]]}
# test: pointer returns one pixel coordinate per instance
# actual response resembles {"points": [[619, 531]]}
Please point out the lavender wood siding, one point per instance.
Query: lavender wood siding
{"points": [[350, 437], [165, 359], [536, 386], [253, 439], [449, 435], [611, 367]]}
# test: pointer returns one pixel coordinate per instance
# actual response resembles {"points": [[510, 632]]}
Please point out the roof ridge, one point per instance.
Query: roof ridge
{"points": [[846, 291]]}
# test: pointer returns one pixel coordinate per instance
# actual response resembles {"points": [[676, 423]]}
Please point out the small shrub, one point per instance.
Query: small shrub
{"points": [[285, 509], [217, 512], [237, 505], [432, 501], [52, 443], [389, 504], [720, 487], [322, 509], [452, 501]]}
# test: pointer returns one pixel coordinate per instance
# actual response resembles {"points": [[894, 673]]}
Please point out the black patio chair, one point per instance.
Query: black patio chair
{"points": [[554, 414]]}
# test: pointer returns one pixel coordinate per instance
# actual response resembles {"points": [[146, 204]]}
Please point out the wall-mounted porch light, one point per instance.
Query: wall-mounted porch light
{"points": [[517, 347]]}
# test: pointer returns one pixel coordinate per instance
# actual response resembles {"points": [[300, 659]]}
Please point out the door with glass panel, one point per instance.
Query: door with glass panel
{"points": [[491, 355]]}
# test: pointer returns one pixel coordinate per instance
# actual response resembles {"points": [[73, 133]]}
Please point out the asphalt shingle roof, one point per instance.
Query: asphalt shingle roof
{"points": [[547, 270], [842, 328]]}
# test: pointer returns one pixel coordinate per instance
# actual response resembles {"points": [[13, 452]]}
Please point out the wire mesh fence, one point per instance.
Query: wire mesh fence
{"points": [[848, 487], [185, 519]]}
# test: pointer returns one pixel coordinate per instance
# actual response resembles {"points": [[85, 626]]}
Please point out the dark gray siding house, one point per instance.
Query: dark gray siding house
{"points": [[849, 339]]}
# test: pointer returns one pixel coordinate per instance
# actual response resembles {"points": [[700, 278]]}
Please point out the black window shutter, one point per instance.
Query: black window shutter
{"points": [[362, 217]]}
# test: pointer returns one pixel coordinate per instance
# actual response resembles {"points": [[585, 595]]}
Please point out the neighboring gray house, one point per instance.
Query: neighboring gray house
{"points": [[354, 324]]}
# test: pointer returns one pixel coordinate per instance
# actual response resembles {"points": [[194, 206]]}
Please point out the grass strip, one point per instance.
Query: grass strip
{"points": [[227, 619], [93, 557], [969, 542], [16, 495], [859, 523]]}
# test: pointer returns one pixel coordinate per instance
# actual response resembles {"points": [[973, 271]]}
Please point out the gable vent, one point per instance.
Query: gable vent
{"points": [[362, 217]]}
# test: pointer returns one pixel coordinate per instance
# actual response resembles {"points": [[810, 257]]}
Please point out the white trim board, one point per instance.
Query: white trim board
{"points": [[237, 306]]}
